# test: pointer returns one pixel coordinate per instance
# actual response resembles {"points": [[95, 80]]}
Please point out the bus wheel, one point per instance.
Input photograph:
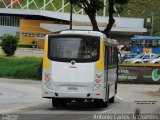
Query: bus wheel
{"points": [[55, 102], [105, 104], [97, 103], [111, 100], [100, 103], [62, 103]]}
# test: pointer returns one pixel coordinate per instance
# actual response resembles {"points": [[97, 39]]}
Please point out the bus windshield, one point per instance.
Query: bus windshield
{"points": [[80, 48]]}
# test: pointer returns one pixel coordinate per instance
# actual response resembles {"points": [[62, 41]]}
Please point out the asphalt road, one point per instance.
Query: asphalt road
{"points": [[23, 98]]}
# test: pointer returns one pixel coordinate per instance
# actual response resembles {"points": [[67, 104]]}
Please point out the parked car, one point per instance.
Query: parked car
{"points": [[139, 58], [151, 59], [155, 61], [128, 56]]}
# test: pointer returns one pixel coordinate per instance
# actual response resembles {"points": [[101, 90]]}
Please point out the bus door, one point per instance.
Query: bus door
{"points": [[111, 57], [106, 69]]}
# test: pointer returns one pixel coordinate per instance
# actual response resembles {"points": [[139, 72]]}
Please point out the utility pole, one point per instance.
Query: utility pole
{"points": [[71, 12]]}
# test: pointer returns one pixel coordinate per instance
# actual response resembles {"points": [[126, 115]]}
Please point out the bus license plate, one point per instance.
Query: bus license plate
{"points": [[72, 88]]}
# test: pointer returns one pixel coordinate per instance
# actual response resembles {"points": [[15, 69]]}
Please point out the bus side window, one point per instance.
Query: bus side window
{"points": [[111, 57], [110, 62], [106, 57]]}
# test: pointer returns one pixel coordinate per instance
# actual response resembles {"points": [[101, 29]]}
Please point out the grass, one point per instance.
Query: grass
{"points": [[21, 68]]}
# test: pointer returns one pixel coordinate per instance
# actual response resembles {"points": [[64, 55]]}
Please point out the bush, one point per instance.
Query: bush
{"points": [[25, 45], [9, 44]]}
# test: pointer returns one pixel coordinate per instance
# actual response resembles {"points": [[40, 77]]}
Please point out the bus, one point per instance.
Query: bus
{"points": [[80, 66], [145, 44]]}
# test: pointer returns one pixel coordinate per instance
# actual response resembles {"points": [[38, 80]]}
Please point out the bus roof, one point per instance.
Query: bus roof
{"points": [[94, 33], [145, 38]]}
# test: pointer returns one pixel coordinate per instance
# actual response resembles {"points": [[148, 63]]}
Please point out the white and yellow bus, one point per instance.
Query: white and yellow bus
{"points": [[80, 66]]}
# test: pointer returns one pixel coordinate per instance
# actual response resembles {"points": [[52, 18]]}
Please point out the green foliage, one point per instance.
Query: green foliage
{"points": [[1, 5], [34, 42], [89, 5], [97, 4], [40, 4], [91, 8], [157, 23], [144, 9], [22, 68], [157, 34], [121, 1], [25, 45], [9, 44]]}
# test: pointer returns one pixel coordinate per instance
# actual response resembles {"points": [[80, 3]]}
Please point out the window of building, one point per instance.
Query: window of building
{"points": [[40, 35], [9, 21], [28, 34]]}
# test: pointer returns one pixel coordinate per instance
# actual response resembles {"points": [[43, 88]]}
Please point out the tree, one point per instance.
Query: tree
{"points": [[145, 9], [92, 6]]}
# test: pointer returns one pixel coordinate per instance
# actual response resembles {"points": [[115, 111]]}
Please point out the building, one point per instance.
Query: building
{"points": [[9, 25], [31, 32], [35, 24], [123, 29]]}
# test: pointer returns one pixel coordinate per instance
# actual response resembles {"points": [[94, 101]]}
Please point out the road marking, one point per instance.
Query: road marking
{"points": [[120, 98], [105, 111]]}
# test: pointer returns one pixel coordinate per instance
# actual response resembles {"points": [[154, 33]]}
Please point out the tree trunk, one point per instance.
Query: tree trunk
{"points": [[92, 18], [111, 19]]}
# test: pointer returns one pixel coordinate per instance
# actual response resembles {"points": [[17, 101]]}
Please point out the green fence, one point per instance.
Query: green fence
{"points": [[141, 73]]}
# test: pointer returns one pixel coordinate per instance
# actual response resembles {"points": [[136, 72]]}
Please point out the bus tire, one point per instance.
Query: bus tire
{"points": [[55, 102], [105, 104], [111, 100], [62, 103], [100, 103], [116, 88], [96, 103]]}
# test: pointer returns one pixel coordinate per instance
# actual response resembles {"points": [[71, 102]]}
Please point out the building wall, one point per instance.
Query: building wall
{"points": [[8, 30], [9, 25], [30, 30]]}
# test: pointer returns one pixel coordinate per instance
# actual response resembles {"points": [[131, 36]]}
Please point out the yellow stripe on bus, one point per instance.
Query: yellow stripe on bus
{"points": [[46, 61], [100, 62]]}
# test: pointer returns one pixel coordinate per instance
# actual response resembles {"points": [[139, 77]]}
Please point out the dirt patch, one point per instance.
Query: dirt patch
{"points": [[22, 52], [157, 93]]}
